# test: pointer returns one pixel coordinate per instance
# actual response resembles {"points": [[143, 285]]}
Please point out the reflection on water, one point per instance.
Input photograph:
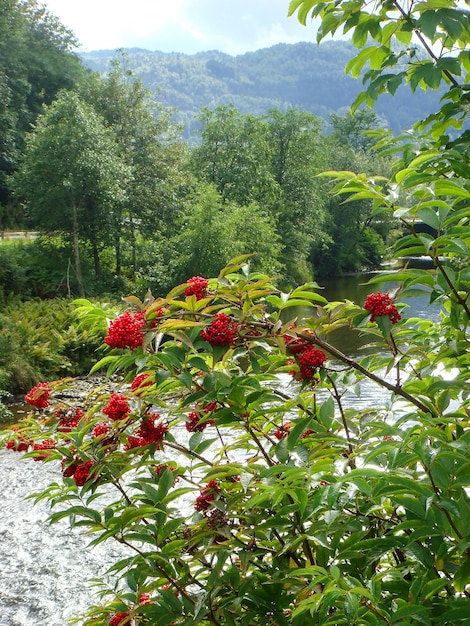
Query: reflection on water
{"points": [[356, 289]]}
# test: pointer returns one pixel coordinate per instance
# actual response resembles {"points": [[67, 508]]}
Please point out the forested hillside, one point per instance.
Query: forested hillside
{"points": [[303, 75], [93, 161]]}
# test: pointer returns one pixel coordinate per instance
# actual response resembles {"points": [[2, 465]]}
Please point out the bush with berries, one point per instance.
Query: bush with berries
{"points": [[244, 485], [239, 474]]}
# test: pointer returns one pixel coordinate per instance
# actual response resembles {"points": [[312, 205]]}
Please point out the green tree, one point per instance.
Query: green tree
{"points": [[204, 236], [272, 161], [355, 239], [297, 156], [71, 176], [146, 140], [215, 231], [252, 230], [234, 155], [36, 61], [354, 128]]}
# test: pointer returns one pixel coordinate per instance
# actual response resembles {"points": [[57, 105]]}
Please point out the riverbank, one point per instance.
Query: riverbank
{"points": [[81, 391]]}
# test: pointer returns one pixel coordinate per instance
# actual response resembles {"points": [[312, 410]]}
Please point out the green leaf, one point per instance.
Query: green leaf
{"points": [[425, 74], [300, 427], [429, 217], [408, 610], [354, 66], [450, 65], [449, 188], [111, 358], [327, 413], [428, 22], [165, 482], [186, 378], [199, 363], [462, 576], [404, 34], [281, 451]]}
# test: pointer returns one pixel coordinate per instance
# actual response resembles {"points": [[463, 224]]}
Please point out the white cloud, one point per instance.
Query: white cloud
{"points": [[232, 26], [101, 24]]}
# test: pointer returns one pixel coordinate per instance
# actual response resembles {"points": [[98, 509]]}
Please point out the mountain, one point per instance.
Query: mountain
{"points": [[304, 75]]}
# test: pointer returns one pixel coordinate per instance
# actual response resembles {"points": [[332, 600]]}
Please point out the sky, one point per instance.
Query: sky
{"points": [[188, 26]]}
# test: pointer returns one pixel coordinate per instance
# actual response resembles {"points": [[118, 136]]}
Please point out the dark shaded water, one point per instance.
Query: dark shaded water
{"points": [[44, 569], [356, 289]]}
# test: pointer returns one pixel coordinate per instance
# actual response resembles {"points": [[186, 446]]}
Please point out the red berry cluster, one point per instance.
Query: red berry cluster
{"points": [[39, 396], [144, 598], [310, 360], [216, 519], [100, 429], [150, 431], [18, 445], [119, 618], [126, 331], [46, 444], [207, 495], [161, 467], [141, 381], [283, 430], [68, 468], [222, 331], [117, 407], [197, 286], [81, 472], [104, 436], [196, 421], [380, 304], [68, 418]]}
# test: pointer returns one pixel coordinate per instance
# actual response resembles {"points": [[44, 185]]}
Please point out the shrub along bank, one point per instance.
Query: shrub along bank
{"points": [[40, 340]]}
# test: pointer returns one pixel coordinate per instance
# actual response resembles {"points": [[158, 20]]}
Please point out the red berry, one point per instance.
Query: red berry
{"points": [[82, 472], [380, 304], [126, 331], [283, 430], [141, 381], [47, 444], [197, 286], [117, 407], [221, 332], [119, 618], [39, 396]]}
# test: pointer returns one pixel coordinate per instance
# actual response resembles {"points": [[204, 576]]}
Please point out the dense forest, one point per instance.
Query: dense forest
{"points": [[304, 75], [96, 163]]}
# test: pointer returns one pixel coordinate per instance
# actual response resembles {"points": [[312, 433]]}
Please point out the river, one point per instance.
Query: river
{"points": [[45, 569]]}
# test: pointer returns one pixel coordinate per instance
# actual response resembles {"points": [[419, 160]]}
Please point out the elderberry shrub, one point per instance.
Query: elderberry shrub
{"points": [[245, 486]]}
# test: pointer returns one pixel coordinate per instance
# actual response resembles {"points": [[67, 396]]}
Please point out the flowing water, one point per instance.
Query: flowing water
{"points": [[44, 569]]}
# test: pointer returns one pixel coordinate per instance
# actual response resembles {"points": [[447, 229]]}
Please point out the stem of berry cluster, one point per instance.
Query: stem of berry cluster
{"points": [[396, 389]]}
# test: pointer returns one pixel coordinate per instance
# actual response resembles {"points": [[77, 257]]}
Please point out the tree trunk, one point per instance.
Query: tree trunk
{"points": [[96, 260], [117, 248], [76, 252], [134, 246]]}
